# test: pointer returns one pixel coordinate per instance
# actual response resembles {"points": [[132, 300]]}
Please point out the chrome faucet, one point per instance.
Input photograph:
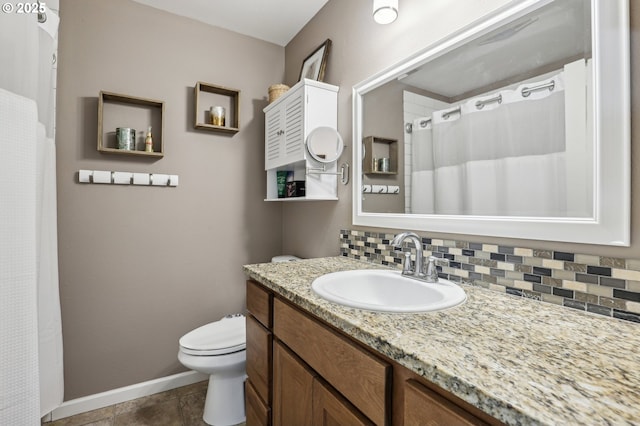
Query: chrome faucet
{"points": [[417, 243]]}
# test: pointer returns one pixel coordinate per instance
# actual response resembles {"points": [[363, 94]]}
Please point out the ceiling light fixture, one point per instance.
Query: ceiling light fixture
{"points": [[385, 11]]}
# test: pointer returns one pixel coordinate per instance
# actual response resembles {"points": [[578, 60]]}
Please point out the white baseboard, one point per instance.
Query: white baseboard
{"points": [[127, 393]]}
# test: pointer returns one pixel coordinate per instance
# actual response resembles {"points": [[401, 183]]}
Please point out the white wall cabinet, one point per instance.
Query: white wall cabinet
{"points": [[288, 120]]}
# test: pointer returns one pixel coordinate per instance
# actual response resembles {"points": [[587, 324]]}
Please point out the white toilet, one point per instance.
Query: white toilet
{"points": [[219, 349]]}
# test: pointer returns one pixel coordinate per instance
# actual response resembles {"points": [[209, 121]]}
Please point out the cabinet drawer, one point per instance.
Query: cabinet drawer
{"points": [[259, 303], [257, 411], [356, 374], [423, 406], [259, 341]]}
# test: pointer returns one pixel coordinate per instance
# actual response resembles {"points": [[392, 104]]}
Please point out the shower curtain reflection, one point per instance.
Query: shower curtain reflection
{"points": [[463, 163], [422, 170]]}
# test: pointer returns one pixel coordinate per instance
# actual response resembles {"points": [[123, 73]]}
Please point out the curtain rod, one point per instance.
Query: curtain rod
{"points": [[526, 91]]}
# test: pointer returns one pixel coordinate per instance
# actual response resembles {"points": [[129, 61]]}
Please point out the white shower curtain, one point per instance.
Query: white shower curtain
{"points": [[463, 163], [422, 171], [31, 375]]}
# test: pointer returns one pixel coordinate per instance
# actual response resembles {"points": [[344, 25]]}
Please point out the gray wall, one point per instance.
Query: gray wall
{"points": [[141, 266], [362, 48]]}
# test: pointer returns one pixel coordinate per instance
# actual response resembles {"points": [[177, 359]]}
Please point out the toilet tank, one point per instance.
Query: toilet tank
{"points": [[284, 258]]}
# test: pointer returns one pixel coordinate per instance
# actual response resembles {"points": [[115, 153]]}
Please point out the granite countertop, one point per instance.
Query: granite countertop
{"points": [[522, 361]]}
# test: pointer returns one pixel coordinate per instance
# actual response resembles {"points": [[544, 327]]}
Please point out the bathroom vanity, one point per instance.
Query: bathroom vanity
{"points": [[493, 360]]}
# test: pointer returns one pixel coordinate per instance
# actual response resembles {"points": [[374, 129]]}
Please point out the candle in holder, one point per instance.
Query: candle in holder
{"points": [[217, 115]]}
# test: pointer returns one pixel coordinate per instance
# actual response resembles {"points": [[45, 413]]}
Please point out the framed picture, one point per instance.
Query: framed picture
{"points": [[314, 65]]}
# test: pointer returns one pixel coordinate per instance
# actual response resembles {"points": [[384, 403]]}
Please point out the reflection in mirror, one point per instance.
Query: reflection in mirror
{"points": [[500, 123], [513, 152], [324, 144], [491, 127]]}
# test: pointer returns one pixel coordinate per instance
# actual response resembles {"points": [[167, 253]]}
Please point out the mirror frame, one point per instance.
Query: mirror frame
{"points": [[610, 223]]}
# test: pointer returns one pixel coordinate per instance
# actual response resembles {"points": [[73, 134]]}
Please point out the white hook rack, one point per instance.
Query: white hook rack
{"points": [[380, 189], [127, 178]]}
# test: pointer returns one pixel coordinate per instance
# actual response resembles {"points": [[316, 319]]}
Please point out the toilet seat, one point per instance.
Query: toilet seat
{"points": [[222, 337]]}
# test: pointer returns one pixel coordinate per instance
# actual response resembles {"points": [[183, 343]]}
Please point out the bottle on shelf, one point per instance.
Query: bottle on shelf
{"points": [[148, 141]]}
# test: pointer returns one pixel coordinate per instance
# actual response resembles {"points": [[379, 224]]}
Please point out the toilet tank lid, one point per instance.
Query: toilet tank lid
{"points": [[229, 332], [284, 258]]}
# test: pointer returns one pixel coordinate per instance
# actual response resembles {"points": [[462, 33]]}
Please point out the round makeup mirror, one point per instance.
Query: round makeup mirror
{"points": [[324, 144]]}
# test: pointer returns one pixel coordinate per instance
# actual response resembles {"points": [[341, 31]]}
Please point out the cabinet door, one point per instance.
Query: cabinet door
{"points": [[273, 136], [285, 131], [294, 128], [259, 341], [331, 409], [292, 389], [422, 406]]}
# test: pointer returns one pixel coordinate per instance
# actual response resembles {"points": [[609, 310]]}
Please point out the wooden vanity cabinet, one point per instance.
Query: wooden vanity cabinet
{"points": [[302, 371], [259, 355]]}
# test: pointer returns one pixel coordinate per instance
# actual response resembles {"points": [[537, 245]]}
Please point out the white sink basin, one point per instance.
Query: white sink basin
{"points": [[387, 291]]}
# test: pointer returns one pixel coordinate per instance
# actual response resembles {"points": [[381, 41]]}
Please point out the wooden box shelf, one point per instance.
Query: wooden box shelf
{"points": [[115, 110], [207, 95], [375, 148]]}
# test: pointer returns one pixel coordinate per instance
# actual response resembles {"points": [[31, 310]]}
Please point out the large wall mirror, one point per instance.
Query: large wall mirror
{"points": [[515, 126]]}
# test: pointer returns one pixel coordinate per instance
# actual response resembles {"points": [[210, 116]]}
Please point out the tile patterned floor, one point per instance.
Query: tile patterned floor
{"points": [[177, 407]]}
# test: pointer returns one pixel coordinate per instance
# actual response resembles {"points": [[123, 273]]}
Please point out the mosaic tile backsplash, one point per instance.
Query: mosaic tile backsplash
{"points": [[601, 285]]}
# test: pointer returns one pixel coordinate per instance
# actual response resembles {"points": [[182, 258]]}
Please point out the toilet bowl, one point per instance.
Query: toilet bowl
{"points": [[219, 350]]}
